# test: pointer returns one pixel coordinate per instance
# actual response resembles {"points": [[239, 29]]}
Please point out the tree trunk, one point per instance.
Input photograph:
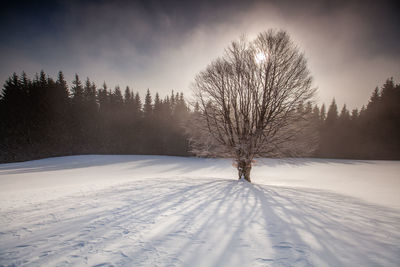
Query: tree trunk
{"points": [[244, 168]]}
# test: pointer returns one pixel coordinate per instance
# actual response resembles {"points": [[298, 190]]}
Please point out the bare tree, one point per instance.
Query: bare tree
{"points": [[248, 102]]}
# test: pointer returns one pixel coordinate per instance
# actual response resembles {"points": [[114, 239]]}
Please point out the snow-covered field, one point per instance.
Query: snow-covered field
{"points": [[173, 211]]}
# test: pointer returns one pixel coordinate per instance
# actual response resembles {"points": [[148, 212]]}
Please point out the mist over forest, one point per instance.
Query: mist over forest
{"points": [[44, 117]]}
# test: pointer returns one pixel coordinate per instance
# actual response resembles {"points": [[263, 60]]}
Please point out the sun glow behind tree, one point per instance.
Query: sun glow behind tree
{"points": [[260, 57], [249, 102]]}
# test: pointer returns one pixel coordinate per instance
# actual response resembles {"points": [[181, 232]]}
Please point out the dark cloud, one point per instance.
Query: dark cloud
{"points": [[352, 46]]}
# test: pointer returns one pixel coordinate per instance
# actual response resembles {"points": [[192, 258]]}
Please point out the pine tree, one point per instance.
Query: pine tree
{"points": [[332, 114], [137, 105], [354, 114], [181, 110], [157, 110], [328, 132], [93, 95], [62, 84], [172, 100], [388, 89], [344, 114], [128, 96], [25, 81], [147, 107], [77, 90], [103, 98], [87, 90], [374, 99], [42, 79], [117, 99]]}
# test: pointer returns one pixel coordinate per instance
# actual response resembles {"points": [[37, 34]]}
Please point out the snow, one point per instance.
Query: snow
{"points": [[175, 211]]}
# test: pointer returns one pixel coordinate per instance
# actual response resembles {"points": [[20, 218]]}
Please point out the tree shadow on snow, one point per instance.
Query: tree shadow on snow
{"points": [[224, 219], [331, 229], [215, 223]]}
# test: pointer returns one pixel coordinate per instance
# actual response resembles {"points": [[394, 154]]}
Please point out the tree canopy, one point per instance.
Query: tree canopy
{"points": [[249, 102]]}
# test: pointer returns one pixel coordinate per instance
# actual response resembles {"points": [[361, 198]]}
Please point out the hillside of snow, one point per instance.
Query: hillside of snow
{"points": [[175, 211]]}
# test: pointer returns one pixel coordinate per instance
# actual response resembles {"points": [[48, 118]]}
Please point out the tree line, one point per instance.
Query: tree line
{"points": [[373, 132], [44, 117]]}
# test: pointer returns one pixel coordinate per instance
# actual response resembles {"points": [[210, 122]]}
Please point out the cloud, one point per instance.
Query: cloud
{"points": [[161, 46]]}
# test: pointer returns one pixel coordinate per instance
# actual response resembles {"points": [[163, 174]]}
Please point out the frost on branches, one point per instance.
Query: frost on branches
{"points": [[250, 103]]}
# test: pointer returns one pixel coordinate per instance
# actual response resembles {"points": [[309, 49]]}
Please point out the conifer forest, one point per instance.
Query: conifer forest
{"points": [[44, 117]]}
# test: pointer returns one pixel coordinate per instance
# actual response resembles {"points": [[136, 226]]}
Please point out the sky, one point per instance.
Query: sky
{"points": [[351, 46]]}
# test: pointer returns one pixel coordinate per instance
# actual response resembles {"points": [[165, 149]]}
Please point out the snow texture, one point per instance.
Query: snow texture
{"points": [[172, 211]]}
